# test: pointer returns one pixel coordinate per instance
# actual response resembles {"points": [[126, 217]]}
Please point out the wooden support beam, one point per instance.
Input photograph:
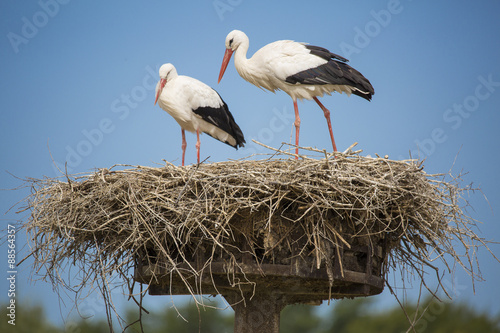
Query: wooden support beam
{"points": [[256, 312]]}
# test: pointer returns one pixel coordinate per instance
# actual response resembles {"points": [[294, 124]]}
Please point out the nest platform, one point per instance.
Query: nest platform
{"points": [[262, 233]]}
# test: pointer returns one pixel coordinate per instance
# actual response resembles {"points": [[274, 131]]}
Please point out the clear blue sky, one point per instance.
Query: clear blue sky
{"points": [[79, 77]]}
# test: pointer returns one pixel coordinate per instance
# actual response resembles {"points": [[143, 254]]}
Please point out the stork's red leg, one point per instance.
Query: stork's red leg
{"points": [[297, 127], [327, 116], [184, 145], [198, 144]]}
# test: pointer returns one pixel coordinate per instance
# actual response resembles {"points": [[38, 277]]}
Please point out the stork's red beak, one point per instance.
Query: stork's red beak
{"points": [[160, 89], [225, 62]]}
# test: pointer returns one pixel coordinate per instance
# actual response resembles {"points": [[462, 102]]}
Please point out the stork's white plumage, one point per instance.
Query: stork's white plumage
{"points": [[299, 69], [197, 108]]}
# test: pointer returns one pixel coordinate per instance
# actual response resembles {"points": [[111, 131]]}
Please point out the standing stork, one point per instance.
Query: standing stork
{"points": [[197, 108], [299, 69]]}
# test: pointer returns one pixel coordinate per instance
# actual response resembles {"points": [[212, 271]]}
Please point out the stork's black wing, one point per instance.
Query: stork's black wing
{"points": [[222, 118], [333, 72]]}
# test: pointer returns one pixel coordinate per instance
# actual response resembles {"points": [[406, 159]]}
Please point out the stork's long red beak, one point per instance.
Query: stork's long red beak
{"points": [[225, 62], [162, 85]]}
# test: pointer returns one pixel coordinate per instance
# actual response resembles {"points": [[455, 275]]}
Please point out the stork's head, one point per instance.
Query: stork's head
{"points": [[167, 72], [233, 40]]}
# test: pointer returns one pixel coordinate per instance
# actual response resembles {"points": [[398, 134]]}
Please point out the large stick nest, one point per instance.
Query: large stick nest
{"points": [[100, 222]]}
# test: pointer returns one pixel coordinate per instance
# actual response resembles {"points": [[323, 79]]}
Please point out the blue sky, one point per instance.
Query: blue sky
{"points": [[77, 82]]}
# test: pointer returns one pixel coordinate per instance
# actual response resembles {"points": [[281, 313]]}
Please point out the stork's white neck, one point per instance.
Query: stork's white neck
{"points": [[244, 66]]}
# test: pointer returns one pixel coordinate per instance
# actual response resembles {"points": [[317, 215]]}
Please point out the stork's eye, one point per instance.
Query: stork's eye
{"points": [[231, 42]]}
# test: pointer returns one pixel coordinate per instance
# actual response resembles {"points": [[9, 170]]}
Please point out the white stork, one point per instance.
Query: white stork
{"points": [[299, 69], [197, 108]]}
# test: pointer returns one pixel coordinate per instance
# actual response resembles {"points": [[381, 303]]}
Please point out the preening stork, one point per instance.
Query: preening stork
{"points": [[299, 69], [197, 108]]}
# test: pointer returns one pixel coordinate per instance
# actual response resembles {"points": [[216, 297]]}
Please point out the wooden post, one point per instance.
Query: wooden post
{"points": [[256, 312]]}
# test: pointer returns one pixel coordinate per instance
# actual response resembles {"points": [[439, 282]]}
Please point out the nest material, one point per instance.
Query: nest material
{"points": [[101, 222]]}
